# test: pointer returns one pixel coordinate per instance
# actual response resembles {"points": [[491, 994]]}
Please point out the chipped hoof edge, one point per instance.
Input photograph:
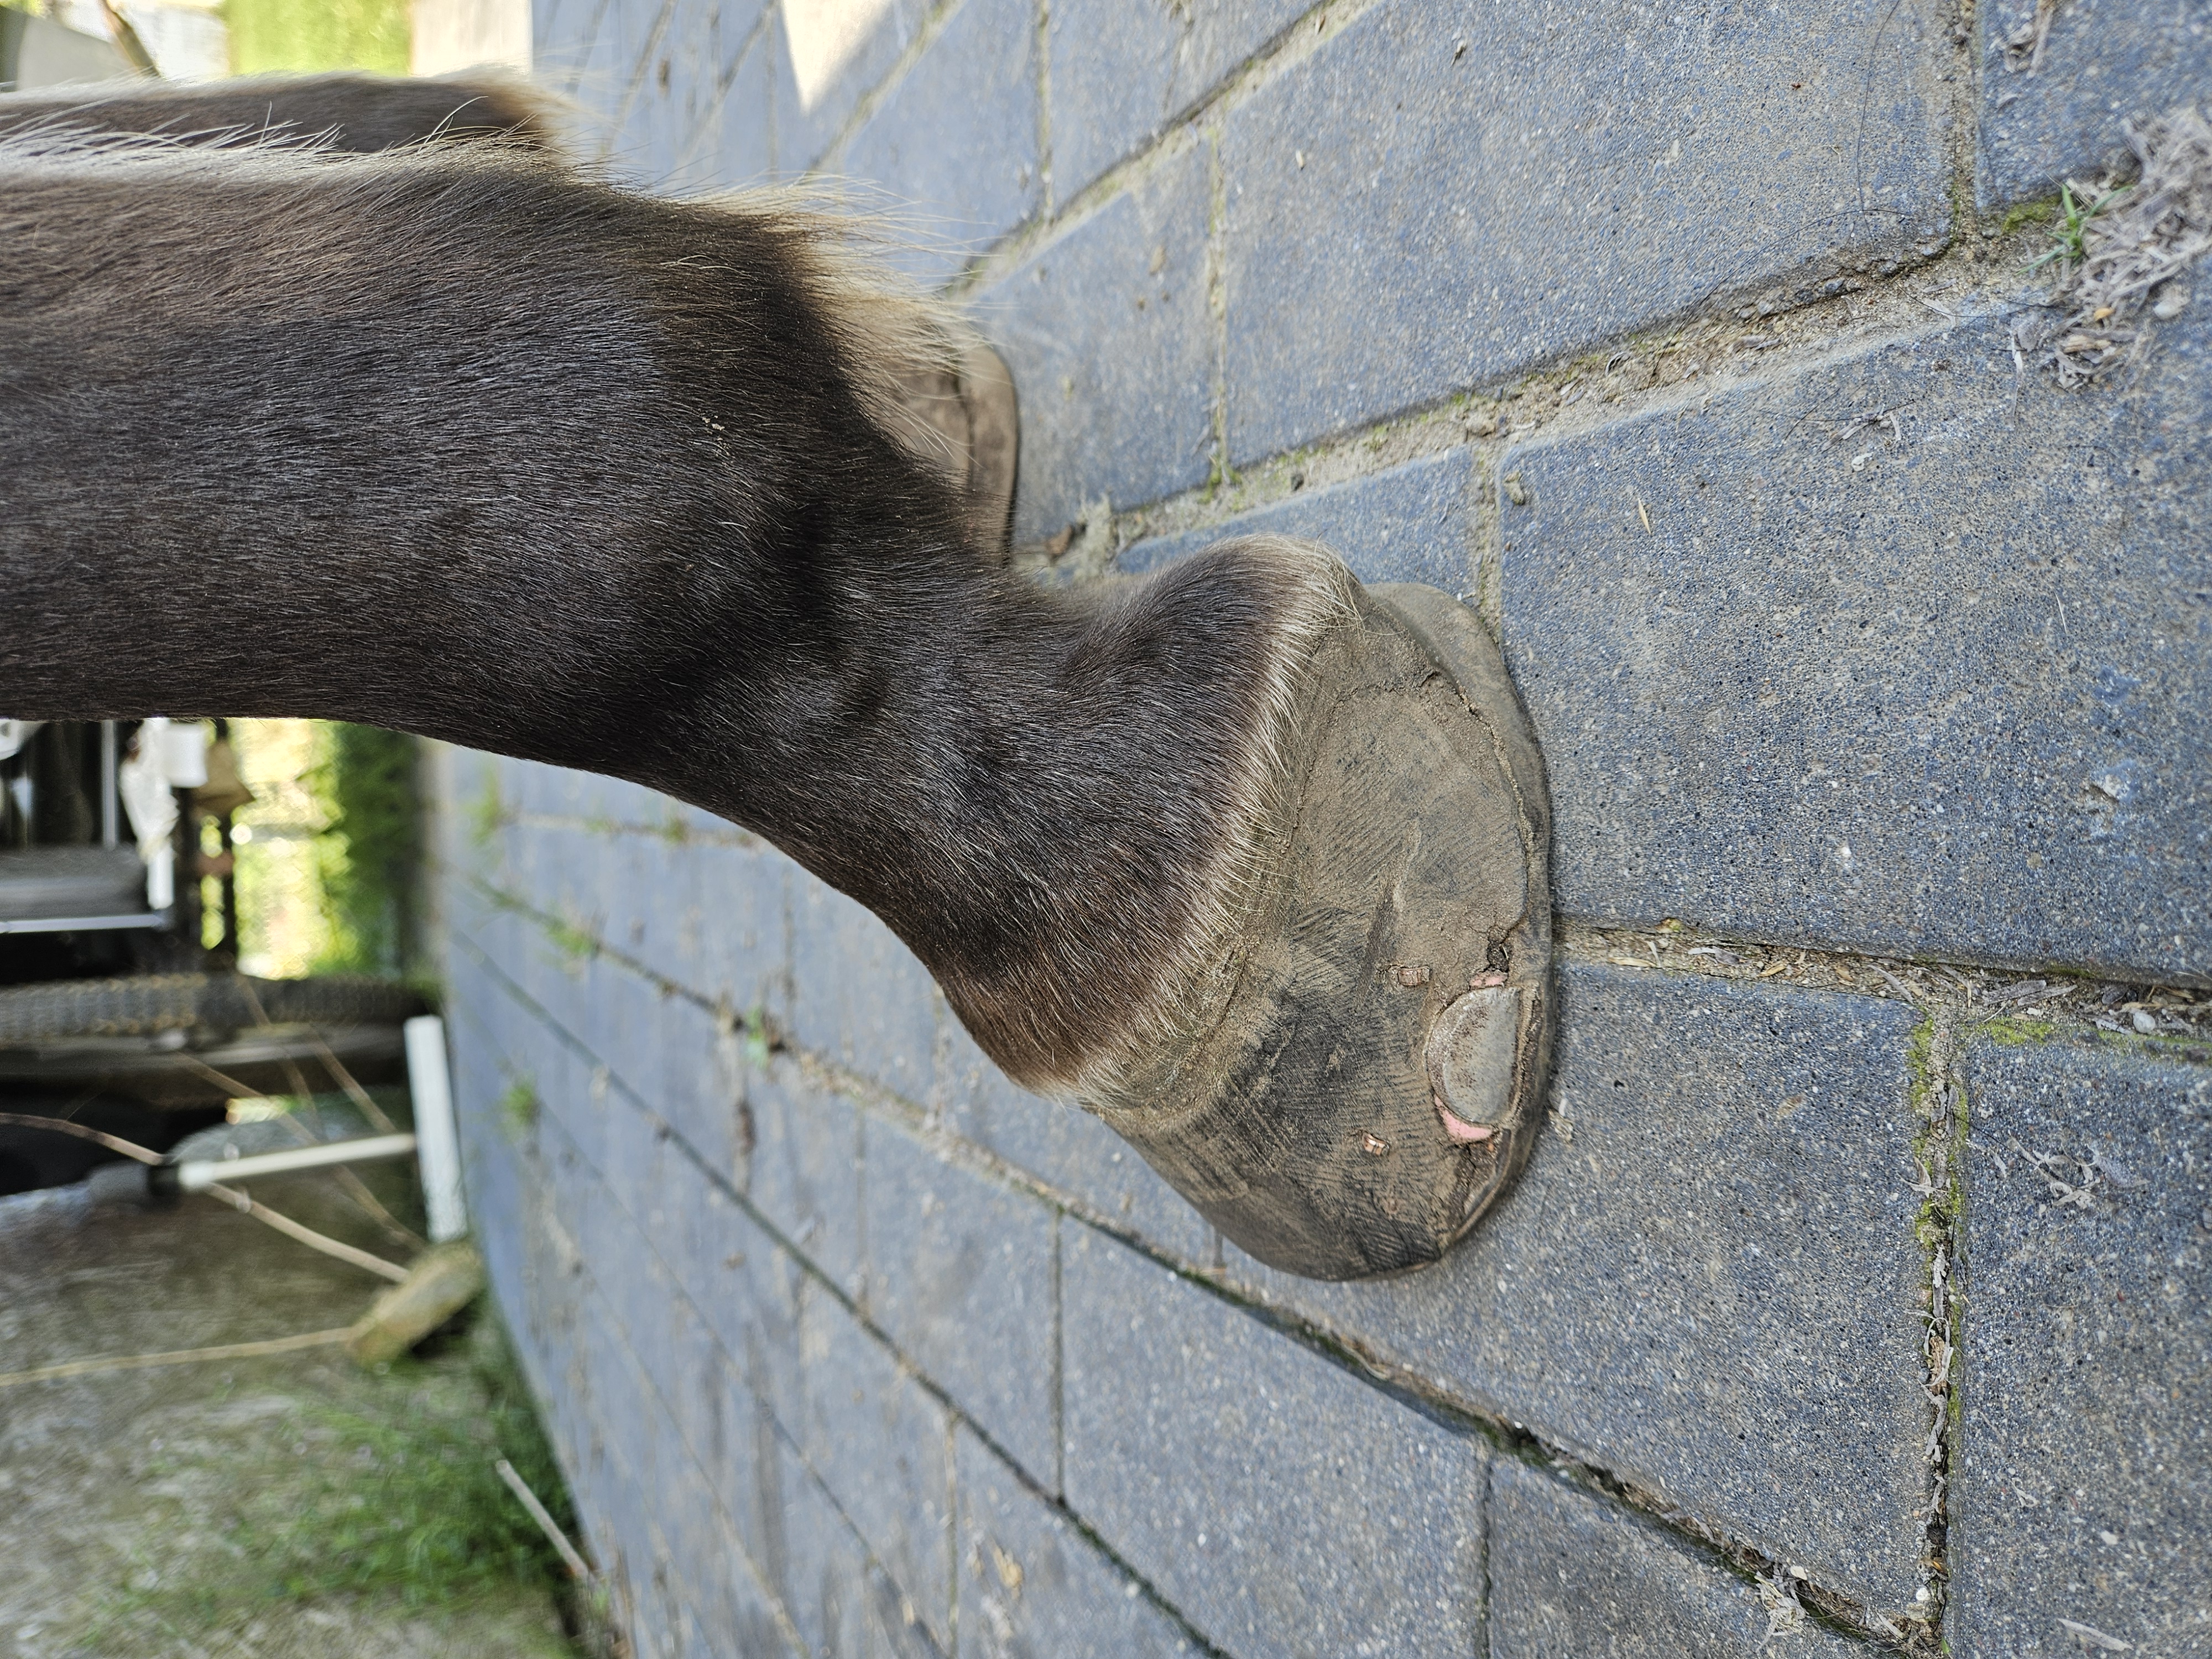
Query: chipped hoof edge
{"points": [[1366, 1076]]}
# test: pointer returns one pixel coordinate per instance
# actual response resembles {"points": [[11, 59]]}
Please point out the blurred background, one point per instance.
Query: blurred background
{"points": [[200, 40]]}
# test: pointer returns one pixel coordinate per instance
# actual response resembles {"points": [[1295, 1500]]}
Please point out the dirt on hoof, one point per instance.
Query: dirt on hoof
{"points": [[286, 1504]]}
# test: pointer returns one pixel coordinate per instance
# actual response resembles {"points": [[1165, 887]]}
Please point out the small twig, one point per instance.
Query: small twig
{"points": [[179, 1357], [246, 1205], [223, 1080], [578, 1569], [354, 1093], [1903, 989], [357, 1190], [230, 1195], [299, 1079]]}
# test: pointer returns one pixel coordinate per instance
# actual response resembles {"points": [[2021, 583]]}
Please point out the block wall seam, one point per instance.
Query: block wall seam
{"points": [[1406, 1389], [1945, 1141], [1291, 46], [612, 1316], [1216, 302], [933, 25], [638, 73], [1059, 1360], [1946, 1001], [1489, 1509], [731, 1540], [827, 1284], [1820, 967], [1044, 106]]}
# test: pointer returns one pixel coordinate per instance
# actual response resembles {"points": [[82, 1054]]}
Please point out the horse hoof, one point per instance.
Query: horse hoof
{"points": [[1363, 1076]]}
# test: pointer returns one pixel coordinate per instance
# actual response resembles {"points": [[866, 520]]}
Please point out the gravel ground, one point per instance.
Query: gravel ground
{"points": [[119, 1486]]}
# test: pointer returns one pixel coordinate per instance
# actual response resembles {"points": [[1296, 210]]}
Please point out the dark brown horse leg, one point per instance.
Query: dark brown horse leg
{"points": [[1243, 857], [955, 411]]}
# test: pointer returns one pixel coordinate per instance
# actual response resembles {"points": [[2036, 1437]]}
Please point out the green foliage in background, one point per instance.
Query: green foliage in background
{"points": [[364, 782], [408, 1501], [303, 36], [394, 1495], [419, 1506]]}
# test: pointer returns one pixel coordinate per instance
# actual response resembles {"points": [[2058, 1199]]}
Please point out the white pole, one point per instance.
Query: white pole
{"points": [[197, 1174], [437, 1145]]}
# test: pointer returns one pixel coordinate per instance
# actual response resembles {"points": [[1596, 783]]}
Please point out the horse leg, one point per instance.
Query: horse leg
{"points": [[1245, 858]]}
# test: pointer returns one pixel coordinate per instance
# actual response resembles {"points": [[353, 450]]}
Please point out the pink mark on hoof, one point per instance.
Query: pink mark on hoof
{"points": [[1485, 981], [1458, 1129]]}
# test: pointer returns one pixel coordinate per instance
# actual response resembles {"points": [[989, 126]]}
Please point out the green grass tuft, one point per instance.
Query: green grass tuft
{"points": [[2069, 243], [409, 1502], [518, 1108], [577, 945]]}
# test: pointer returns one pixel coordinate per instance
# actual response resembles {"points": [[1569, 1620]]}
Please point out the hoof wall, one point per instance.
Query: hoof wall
{"points": [[1367, 1077]]}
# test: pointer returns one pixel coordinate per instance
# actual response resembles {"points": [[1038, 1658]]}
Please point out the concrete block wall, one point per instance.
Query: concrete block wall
{"points": [[1857, 1295]]}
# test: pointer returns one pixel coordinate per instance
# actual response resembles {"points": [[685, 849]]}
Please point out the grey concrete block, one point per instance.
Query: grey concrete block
{"points": [[826, 59], [1284, 1506], [805, 1168], [1030, 1584], [737, 1615], [708, 1405], [605, 62], [705, 1103], [2084, 1483], [708, 915], [568, 1090], [688, 1065], [554, 25], [1412, 524], [883, 1449], [961, 1277], [672, 89], [721, 41], [1707, 1273], [1608, 171], [749, 1483], [738, 141], [747, 1289], [1064, 1148], [1573, 1574], [2105, 63], [1107, 333], [1943, 686], [815, 1563], [954, 142], [858, 998], [1120, 73], [562, 36]]}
